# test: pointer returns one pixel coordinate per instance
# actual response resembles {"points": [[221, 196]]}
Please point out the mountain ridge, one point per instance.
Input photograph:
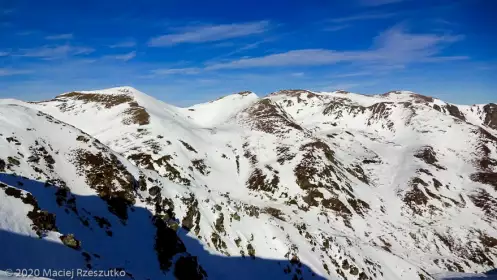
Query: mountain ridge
{"points": [[353, 186]]}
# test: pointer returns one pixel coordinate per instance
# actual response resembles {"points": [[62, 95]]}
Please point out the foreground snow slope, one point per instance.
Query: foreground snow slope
{"points": [[393, 186]]}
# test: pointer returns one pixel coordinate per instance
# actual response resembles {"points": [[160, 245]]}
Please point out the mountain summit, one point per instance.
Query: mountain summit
{"points": [[294, 185]]}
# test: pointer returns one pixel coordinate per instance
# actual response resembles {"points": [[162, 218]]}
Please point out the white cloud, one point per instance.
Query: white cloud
{"points": [[48, 53], [362, 17], [4, 53], [123, 57], [210, 33], [173, 71], [290, 58], [60, 37], [125, 44], [11, 72], [392, 47]]}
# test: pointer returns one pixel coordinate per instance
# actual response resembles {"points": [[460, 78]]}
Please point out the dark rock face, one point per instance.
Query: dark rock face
{"points": [[415, 198], [187, 268], [490, 115], [428, 155], [488, 178], [269, 117], [108, 176], [486, 202], [167, 243], [192, 218], [259, 182], [454, 111]]}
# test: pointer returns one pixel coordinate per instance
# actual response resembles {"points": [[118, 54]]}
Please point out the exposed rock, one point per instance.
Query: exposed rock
{"points": [[70, 241], [269, 117], [489, 178], [454, 111], [188, 146], [490, 115], [109, 178], [428, 155]]}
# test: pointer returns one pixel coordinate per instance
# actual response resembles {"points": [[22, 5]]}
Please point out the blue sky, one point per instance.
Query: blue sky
{"points": [[185, 52]]}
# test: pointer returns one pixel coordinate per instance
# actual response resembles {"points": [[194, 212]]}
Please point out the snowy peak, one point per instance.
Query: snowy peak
{"points": [[124, 90], [404, 95], [219, 111], [290, 92]]}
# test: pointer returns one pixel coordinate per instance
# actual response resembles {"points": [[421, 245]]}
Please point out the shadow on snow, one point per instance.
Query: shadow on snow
{"points": [[116, 244]]}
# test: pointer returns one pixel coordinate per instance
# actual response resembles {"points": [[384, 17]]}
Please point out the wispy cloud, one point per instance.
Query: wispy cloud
{"points": [[209, 33], [25, 33], [125, 44], [48, 52], [298, 74], [225, 44], [12, 72], [352, 74], [392, 47], [336, 27], [7, 11], [66, 36], [4, 53], [123, 57], [334, 87], [362, 17], [174, 71], [378, 2]]}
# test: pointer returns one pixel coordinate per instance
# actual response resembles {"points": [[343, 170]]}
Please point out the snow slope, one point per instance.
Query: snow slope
{"points": [[296, 184]]}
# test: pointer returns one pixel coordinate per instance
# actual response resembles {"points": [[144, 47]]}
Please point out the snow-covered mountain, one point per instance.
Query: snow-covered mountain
{"points": [[297, 185]]}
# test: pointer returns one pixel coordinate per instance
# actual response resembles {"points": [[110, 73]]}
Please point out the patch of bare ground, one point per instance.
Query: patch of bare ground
{"points": [[136, 114], [108, 100]]}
